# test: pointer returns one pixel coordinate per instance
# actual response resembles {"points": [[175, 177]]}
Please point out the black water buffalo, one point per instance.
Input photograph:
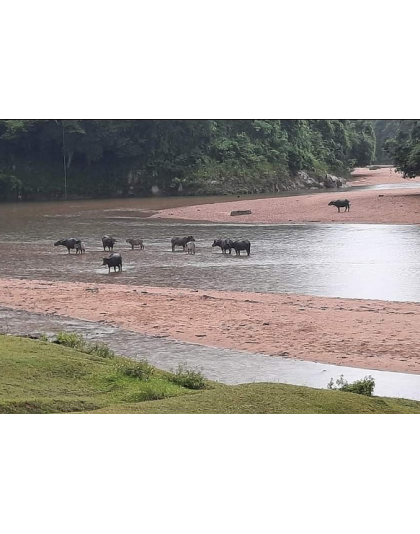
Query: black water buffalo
{"points": [[181, 242], [340, 204], [115, 260], [242, 245], [108, 242], [70, 244], [135, 243], [224, 244]]}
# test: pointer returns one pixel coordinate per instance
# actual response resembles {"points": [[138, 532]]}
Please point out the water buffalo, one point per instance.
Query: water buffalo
{"points": [[80, 247], [242, 245], [224, 244], [340, 204], [191, 247], [135, 243], [70, 244], [115, 260], [108, 242], [181, 242]]}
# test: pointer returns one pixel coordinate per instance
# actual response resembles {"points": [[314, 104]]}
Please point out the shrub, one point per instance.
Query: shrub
{"points": [[188, 378], [366, 386], [76, 341], [71, 340], [101, 350], [135, 369]]}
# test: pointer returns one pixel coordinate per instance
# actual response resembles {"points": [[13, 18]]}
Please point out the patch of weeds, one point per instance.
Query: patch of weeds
{"points": [[366, 386], [135, 369], [101, 350], [189, 378], [150, 393], [71, 340], [76, 341]]}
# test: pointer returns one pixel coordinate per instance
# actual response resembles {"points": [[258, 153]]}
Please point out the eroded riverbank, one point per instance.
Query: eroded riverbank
{"points": [[355, 333]]}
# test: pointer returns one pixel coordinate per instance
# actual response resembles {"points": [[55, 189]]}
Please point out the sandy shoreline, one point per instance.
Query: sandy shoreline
{"points": [[355, 333], [392, 206]]}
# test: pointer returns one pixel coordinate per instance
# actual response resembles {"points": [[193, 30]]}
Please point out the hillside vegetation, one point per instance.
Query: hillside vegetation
{"points": [[85, 157], [398, 143], [41, 377]]}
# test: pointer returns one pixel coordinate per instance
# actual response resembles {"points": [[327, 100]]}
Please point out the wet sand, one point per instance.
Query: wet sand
{"points": [[392, 206], [354, 333]]}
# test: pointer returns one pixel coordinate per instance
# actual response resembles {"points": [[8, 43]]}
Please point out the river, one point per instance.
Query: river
{"points": [[350, 261]]}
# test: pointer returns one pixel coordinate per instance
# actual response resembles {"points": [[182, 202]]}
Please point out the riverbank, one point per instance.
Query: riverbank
{"points": [[388, 206], [354, 333], [37, 377]]}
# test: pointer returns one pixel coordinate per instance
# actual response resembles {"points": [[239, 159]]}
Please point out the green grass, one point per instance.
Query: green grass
{"points": [[271, 399], [41, 377]]}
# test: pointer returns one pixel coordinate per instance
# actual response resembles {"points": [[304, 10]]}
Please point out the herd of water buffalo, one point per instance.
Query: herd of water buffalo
{"points": [[187, 243]]}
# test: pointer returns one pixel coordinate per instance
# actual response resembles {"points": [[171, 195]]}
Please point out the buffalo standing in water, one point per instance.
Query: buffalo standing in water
{"points": [[80, 248], [70, 244], [242, 245], [181, 242], [224, 244], [135, 243], [115, 260], [340, 204], [108, 242]]}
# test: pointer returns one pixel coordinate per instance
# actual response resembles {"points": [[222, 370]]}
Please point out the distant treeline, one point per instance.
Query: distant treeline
{"points": [[106, 158]]}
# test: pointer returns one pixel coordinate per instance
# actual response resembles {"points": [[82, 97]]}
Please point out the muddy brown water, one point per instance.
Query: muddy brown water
{"points": [[350, 261]]}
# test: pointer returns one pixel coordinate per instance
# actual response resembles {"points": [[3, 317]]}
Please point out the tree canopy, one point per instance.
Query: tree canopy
{"points": [[402, 146], [123, 157]]}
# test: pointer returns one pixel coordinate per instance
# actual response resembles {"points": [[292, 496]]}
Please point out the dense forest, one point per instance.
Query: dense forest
{"points": [[55, 158], [399, 144]]}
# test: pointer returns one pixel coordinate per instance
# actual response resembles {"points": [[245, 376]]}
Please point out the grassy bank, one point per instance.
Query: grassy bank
{"points": [[40, 377]]}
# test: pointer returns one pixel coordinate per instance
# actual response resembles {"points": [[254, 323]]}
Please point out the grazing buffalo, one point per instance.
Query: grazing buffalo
{"points": [[108, 242], [242, 245], [115, 260], [80, 247], [135, 243], [191, 247], [70, 244], [224, 244], [340, 204], [181, 242]]}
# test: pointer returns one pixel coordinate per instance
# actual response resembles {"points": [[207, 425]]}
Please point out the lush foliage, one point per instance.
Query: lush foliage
{"points": [[387, 131], [130, 157], [404, 148], [366, 386]]}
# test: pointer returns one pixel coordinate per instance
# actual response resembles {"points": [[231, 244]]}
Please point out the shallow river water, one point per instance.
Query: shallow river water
{"points": [[222, 365], [353, 261]]}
